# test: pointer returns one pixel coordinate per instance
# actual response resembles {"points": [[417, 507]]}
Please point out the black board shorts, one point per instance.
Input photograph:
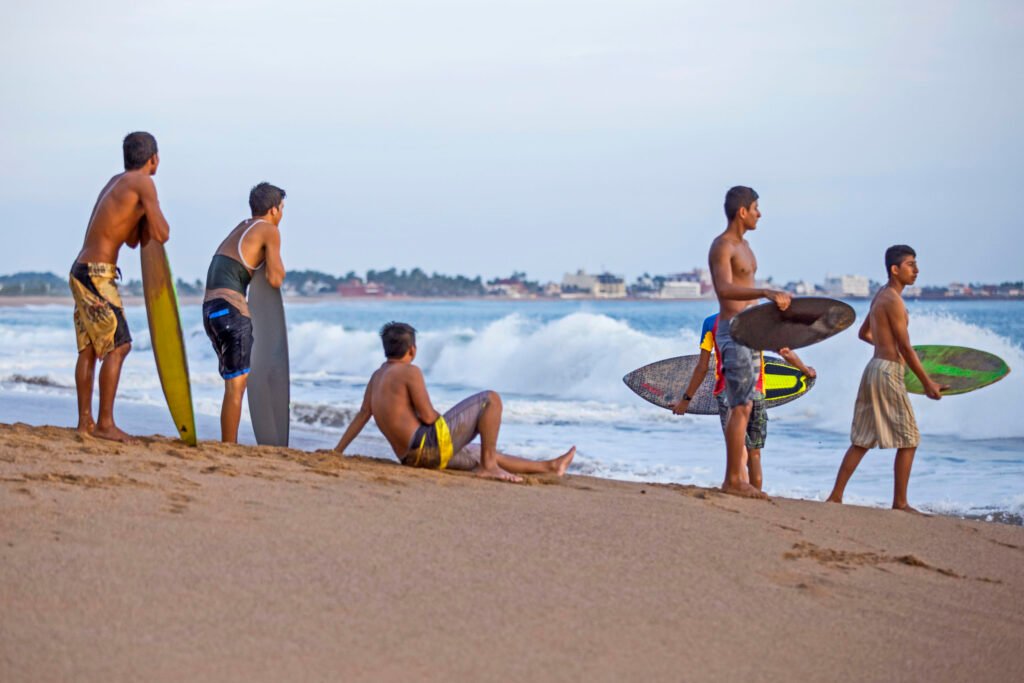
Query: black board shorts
{"points": [[230, 332]]}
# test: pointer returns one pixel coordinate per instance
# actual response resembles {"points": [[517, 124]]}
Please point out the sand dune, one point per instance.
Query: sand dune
{"points": [[160, 562]]}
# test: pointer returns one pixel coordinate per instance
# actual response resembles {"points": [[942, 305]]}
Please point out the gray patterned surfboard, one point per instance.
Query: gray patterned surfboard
{"points": [[664, 382]]}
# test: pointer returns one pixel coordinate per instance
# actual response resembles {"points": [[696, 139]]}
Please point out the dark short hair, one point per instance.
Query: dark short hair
{"points": [[264, 197], [397, 338], [138, 148], [895, 254], [739, 197]]}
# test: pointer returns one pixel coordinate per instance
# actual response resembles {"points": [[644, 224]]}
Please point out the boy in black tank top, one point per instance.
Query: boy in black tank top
{"points": [[253, 244]]}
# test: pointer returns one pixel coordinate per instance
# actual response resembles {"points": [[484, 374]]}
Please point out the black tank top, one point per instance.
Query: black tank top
{"points": [[227, 273]]}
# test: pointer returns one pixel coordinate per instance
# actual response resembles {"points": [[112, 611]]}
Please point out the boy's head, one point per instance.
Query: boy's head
{"points": [[741, 201], [267, 200], [139, 148], [398, 339], [901, 263]]}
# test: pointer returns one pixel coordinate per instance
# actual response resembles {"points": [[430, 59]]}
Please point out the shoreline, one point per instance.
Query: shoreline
{"points": [[157, 561], [32, 300]]}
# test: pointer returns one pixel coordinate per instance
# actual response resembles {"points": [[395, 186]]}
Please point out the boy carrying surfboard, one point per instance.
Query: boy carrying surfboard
{"points": [[757, 425], [733, 267], [883, 416], [126, 212], [252, 245]]}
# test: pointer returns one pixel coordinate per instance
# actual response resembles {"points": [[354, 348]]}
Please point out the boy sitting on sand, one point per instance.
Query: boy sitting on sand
{"points": [[883, 416], [396, 397], [757, 425]]}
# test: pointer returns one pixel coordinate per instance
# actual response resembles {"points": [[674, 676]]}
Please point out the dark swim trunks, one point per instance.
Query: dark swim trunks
{"points": [[230, 332], [439, 445]]}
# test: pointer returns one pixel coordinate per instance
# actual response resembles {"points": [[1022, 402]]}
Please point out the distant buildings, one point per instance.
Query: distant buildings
{"points": [[853, 286], [602, 286]]}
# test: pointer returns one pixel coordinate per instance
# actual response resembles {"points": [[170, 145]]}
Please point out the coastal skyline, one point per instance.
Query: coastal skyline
{"points": [[531, 136]]}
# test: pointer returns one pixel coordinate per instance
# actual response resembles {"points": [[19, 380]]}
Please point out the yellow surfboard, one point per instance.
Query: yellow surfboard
{"points": [[166, 338]]}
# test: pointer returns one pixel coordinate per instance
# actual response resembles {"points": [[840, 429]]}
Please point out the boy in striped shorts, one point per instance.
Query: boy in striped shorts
{"points": [[883, 416]]}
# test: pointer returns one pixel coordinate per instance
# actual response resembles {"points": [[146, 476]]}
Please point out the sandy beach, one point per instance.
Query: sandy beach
{"points": [[159, 562]]}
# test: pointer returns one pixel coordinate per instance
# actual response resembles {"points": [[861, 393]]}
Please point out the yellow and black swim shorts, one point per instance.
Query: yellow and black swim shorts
{"points": [[99, 315], [439, 445]]}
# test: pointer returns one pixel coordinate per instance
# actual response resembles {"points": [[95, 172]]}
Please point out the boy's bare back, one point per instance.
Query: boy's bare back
{"points": [[126, 205], [391, 393]]}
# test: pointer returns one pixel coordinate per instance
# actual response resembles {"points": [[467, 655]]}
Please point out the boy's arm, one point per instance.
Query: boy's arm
{"points": [[719, 261], [272, 256], [696, 379], [865, 330], [420, 398], [358, 422], [789, 355], [156, 224], [136, 234], [896, 314]]}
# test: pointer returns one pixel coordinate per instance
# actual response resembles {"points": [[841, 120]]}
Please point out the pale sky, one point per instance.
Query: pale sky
{"points": [[481, 137]]}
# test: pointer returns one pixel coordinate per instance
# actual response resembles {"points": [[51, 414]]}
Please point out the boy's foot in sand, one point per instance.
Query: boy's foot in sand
{"points": [[834, 499], [112, 433], [907, 508], [86, 425], [561, 463], [744, 490], [498, 474]]}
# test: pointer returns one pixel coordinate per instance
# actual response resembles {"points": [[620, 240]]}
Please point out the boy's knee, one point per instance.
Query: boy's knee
{"points": [[743, 409], [493, 398]]}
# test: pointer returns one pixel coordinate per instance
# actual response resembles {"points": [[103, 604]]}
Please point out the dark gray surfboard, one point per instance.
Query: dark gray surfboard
{"points": [[269, 379], [664, 382], [808, 320]]}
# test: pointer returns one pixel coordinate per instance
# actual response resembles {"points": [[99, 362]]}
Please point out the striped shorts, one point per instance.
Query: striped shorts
{"points": [[883, 416]]}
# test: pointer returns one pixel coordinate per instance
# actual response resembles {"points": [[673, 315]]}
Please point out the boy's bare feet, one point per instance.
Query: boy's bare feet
{"points": [[560, 464], [906, 508], [112, 433], [86, 425], [498, 474], [744, 490], [834, 499]]}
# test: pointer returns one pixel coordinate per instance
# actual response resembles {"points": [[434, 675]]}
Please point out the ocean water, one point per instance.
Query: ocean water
{"points": [[558, 366]]}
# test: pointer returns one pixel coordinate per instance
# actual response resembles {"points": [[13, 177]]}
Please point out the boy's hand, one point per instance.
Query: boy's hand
{"points": [[681, 407], [811, 372], [934, 390], [781, 299]]}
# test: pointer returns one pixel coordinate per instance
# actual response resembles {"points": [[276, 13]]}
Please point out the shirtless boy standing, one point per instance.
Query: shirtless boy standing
{"points": [[883, 416], [252, 244], [397, 399], [733, 267], [757, 424], [126, 212]]}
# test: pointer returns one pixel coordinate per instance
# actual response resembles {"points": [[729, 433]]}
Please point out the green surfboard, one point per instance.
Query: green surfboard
{"points": [[962, 368]]}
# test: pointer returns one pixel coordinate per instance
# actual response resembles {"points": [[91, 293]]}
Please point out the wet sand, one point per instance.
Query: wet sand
{"points": [[160, 562]]}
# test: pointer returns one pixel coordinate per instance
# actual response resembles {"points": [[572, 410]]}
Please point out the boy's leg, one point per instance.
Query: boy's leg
{"points": [[846, 469], [736, 453], [901, 470], [754, 467], [757, 434], [495, 465], [231, 409], [85, 375], [110, 375]]}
